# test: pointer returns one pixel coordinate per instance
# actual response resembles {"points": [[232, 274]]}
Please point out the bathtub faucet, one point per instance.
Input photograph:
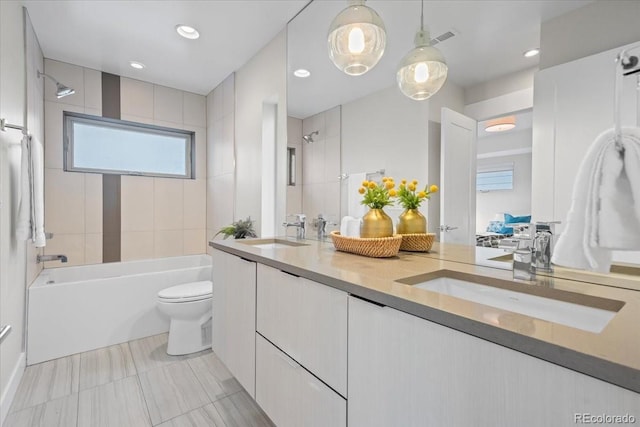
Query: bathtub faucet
{"points": [[42, 258]]}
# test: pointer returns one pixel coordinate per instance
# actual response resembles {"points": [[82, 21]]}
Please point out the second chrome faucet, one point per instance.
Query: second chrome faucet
{"points": [[300, 225]]}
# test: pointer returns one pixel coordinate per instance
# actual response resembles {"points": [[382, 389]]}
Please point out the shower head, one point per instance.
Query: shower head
{"points": [[309, 138], [61, 90]]}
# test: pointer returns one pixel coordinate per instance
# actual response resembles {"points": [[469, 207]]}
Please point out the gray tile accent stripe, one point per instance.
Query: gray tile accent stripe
{"points": [[111, 213]]}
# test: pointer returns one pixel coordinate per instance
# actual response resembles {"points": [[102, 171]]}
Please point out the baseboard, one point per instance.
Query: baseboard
{"points": [[12, 386]]}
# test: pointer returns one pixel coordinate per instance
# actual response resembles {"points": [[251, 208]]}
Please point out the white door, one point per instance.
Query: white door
{"points": [[458, 178]]}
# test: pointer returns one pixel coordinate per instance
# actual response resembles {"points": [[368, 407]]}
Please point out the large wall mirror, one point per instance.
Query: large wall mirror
{"points": [[345, 128]]}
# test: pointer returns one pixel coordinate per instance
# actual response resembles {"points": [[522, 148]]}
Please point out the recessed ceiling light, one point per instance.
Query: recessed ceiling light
{"points": [[302, 73], [501, 124], [531, 52], [187, 32], [137, 65]]}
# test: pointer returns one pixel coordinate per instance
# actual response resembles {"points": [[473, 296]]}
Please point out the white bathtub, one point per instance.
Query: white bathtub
{"points": [[76, 309]]}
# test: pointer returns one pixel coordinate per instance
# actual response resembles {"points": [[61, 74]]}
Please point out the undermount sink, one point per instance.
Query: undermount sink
{"points": [[579, 311], [272, 243]]}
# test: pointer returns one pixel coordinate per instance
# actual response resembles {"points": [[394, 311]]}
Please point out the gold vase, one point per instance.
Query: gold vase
{"points": [[376, 223], [412, 222]]}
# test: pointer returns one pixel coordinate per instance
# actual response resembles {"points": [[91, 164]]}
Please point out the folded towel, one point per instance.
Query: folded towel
{"points": [[30, 224], [605, 206]]}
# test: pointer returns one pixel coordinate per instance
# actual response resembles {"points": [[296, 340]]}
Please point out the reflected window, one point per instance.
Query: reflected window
{"points": [[497, 177], [109, 146]]}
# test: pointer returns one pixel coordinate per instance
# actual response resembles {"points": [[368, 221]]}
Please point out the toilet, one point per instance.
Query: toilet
{"points": [[189, 307]]}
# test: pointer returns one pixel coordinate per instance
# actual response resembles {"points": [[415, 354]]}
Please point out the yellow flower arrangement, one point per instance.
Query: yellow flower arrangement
{"points": [[410, 197], [378, 195]]}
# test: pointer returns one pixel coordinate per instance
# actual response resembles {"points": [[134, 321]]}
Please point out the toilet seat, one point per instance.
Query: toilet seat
{"points": [[187, 292]]}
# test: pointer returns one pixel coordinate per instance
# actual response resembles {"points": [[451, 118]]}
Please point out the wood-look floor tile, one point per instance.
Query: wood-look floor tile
{"points": [[105, 365], [207, 416], [239, 410], [151, 352], [61, 412], [116, 404], [171, 391], [47, 381], [214, 376]]}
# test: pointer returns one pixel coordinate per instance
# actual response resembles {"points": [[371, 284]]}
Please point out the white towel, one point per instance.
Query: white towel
{"points": [[355, 208], [605, 206], [30, 224]]}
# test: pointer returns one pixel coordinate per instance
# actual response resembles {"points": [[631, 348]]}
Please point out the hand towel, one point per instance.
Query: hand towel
{"points": [[355, 208], [30, 224], [605, 205]]}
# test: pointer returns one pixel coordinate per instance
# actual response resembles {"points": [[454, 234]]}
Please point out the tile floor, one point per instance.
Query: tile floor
{"points": [[133, 384]]}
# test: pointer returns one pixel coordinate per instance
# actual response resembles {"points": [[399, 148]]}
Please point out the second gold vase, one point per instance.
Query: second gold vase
{"points": [[412, 222]]}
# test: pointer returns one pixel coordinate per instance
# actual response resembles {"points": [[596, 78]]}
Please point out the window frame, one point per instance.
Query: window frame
{"points": [[69, 118], [504, 167]]}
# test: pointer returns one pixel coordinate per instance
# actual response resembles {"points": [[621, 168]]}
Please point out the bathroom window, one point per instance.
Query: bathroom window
{"points": [[103, 145], [496, 177]]}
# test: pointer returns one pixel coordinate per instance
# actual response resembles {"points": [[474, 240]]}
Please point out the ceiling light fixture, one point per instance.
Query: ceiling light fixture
{"points": [[423, 70], [137, 65], [501, 124], [187, 32], [531, 52], [302, 73], [357, 38]]}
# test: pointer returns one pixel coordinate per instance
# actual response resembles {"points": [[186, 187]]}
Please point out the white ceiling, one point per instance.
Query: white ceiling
{"points": [[492, 35], [106, 35]]}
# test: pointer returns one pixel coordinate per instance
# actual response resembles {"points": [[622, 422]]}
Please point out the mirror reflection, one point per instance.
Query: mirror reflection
{"points": [[550, 107]]}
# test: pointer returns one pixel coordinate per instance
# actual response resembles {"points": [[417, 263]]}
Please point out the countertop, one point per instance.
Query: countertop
{"points": [[613, 355]]}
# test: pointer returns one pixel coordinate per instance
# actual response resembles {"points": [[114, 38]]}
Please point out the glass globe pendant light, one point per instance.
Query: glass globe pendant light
{"points": [[357, 39], [423, 70]]}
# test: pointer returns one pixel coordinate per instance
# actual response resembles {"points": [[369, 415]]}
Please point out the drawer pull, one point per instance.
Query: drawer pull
{"points": [[368, 300], [289, 361], [314, 386], [290, 274]]}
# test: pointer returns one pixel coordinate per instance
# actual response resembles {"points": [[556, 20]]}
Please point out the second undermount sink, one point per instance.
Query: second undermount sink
{"points": [[272, 243], [579, 311]]}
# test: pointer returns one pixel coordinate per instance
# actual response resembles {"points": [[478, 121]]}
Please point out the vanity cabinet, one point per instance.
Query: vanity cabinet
{"points": [[306, 320], [234, 316], [290, 395], [407, 371]]}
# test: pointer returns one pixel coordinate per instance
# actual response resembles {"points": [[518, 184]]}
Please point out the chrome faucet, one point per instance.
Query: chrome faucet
{"points": [[533, 244], [320, 223], [43, 258], [543, 245], [299, 224]]}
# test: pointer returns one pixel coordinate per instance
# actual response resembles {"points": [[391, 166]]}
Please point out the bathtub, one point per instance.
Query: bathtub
{"points": [[76, 309]]}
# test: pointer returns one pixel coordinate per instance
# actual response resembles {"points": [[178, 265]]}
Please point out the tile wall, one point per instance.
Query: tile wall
{"points": [[159, 216], [221, 156], [321, 165]]}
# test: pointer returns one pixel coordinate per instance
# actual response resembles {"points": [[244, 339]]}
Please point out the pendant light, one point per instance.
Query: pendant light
{"points": [[357, 39], [423, 70]]}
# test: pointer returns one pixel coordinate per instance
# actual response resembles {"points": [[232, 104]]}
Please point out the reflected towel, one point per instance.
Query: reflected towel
{"points": [[605, 206], [30, 224], [355, 208]]}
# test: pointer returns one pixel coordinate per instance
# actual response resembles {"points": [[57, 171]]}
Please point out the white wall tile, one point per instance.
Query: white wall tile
{"points": [[93, 248], [137, 203], [331, 202], [332, 122], [331, 159], [228, 139], [136, 245], [136, 98], [92, 89], [194, 112], [168, 243], [195, 204], [68, 75], [167, 104], [313, 162], [195, 242], [222, 202], [210, 115], [138, 119], [53, 155], [229, 96], [218, 102], [215, 149], [209, 201], [64, 202], [93, 111], [168, 203], [93, 203], [294, 130], [71, 245]]}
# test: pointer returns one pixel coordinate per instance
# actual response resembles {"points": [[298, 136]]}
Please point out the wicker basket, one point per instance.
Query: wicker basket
{"points": [[383, 247], [419, 242]]}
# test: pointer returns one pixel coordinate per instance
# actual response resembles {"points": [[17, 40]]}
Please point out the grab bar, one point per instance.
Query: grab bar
{"points": [[4, 332]]}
